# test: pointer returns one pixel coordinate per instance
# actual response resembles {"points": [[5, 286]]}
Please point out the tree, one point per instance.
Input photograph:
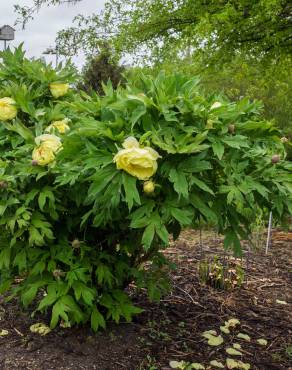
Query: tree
{"points": [[26, 12], [162, 29], [101, 69]]}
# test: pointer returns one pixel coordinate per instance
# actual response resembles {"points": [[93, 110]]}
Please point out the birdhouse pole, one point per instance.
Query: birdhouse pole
{"points": [[7, 33]]}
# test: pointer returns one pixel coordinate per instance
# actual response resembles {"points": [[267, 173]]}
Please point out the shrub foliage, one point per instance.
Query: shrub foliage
{"points": [[93, 186]]}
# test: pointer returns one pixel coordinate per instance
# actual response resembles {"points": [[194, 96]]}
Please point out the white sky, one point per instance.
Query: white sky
{"points": [[41, 32]]}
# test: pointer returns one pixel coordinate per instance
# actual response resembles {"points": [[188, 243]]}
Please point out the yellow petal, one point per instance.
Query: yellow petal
{"points": [[224, 330], [215, 341], [243, 336], [233, 352], [61, 126], [176, 364], [50, 141], [208, 333], [40, 328], [197, 366], [216, 363], [231, 323], [43, 155], [234, 364], [262, 342]]}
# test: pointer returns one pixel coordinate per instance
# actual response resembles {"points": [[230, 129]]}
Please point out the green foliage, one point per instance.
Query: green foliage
{"points": [[79, 230], [288, 351], [242, 76], [269, 82]]}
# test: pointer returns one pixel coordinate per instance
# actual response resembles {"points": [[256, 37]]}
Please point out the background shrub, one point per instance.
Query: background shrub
{"points": [[101, 69]]}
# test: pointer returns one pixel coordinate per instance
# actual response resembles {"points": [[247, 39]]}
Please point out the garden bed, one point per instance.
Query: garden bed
{"points": [[172, 329]]}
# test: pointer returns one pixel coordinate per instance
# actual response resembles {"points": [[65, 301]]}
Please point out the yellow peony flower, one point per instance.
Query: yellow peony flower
{"points": [[52, 142], [148, 187], [43, 155], [61, 126], [8, 110], [137, 161], [59, 89], [47, 146]]}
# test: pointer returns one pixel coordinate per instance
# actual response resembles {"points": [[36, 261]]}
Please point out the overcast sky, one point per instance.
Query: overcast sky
{"points": [[41, 32]]}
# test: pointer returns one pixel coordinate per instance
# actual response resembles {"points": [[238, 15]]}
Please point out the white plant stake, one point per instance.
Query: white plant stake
{"points": [[269, 232]]}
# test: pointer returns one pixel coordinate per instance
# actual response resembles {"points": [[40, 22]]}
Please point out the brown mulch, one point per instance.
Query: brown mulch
{"points": [[172, 329]]}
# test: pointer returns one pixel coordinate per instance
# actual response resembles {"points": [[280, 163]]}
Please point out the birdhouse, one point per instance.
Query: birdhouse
{"points": [[7, 33]]}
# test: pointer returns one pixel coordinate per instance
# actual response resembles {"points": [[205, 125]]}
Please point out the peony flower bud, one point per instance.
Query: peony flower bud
{"points": [[231, 129], [8, 110], [209, 124], [76, 244], [58, 273], [276, 158], [148, 187], [3, 184]]}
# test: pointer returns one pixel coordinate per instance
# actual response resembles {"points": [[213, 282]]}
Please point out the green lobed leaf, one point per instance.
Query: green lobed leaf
{"points": [[131, 192]]}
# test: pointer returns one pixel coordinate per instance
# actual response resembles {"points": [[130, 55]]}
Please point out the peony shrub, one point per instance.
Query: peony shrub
{"points": [[92, 188]]}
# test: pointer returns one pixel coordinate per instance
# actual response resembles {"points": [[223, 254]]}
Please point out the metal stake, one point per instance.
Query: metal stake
{"points": [[269, 232], [201, 242]]}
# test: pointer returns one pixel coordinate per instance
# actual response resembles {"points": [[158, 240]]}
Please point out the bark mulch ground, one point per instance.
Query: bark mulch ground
{"points": [[172, 329]]}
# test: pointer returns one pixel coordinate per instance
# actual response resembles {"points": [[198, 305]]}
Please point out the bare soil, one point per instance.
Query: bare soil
{"points": [[172, 329]]}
